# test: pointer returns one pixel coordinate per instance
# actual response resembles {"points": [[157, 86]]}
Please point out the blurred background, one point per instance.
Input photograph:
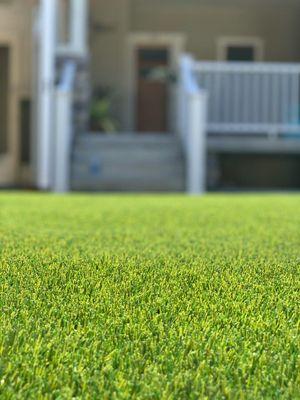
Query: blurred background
{"points": [[150, 95]]}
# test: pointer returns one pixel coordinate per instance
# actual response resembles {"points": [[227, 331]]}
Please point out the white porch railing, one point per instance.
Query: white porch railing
{"points": [[192, 118], [251, 98]]}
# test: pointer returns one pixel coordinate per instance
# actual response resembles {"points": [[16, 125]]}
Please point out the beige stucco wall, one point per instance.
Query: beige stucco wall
{"points": [[108, 31], [204, 22], [15, 33], [16, 22]]}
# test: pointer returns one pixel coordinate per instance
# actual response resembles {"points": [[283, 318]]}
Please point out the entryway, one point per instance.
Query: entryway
{"points": [[152, 65], [152, 99]]}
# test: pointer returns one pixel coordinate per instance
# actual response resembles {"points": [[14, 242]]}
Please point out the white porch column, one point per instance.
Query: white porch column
{"points": [[196, 146], [46, 78], [79, 25], [192, 125], [63, 135], [64, 128]]}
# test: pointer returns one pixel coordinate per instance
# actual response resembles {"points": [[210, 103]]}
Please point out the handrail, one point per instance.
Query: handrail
{"points": [[66, 84], [189, 80], [246, 67]]}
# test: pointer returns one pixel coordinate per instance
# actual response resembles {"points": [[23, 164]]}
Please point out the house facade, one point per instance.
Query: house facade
{"points": [[207, 29], [226, 116]]}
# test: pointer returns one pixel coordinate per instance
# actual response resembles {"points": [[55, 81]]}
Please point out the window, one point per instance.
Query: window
{"points": [[4, 98], [240, 49], [25, 128]]}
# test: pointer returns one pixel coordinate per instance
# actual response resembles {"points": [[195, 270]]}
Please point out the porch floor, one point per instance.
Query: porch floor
{"points": [[257, 144]]}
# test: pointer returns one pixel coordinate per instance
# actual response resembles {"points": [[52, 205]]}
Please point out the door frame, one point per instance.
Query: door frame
{"points": [[176, 44], [9, 162]]}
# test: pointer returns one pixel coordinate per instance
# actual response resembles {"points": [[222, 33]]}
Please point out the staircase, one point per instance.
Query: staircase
{"points": [[128, 162]]}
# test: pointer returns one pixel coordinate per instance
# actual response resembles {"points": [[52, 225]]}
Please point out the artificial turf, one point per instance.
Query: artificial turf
{"points": [[149, 297]]}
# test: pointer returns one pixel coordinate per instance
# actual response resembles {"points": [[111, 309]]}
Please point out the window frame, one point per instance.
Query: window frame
{"points": [[239, 41]]}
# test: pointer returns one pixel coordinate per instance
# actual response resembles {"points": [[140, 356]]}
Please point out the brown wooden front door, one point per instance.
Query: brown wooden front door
{"points": [[152, 89]]}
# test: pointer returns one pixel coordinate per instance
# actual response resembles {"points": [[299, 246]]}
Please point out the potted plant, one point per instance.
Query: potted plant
{"points": [[101, 115]]}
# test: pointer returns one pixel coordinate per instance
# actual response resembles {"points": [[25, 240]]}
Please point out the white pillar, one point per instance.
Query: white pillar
{"points": [[197, 148], [64, 129], [79, 25], [63, 134], [46, 77]]}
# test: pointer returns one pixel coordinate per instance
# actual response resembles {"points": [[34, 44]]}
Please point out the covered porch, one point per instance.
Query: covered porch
{"points": [[203, 107]]}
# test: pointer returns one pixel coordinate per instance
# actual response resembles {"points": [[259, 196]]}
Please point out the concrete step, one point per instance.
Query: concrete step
{"points": [[129, 155], [123, 139], [128, 163]]}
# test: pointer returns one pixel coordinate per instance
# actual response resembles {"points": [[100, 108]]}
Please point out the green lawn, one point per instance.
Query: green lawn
{"points": [[149, 297]]}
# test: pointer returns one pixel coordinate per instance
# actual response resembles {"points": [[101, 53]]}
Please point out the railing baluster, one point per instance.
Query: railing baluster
{"points": [[212, 98], [295, 98], [256, 117], [246, 97], [227, 97], [235, 99], [218, 94], [274, 99], [265, 117], [285, 99]]}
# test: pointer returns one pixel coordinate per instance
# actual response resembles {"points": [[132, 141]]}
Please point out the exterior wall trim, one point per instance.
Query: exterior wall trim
{"points": [[176, 42]]}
